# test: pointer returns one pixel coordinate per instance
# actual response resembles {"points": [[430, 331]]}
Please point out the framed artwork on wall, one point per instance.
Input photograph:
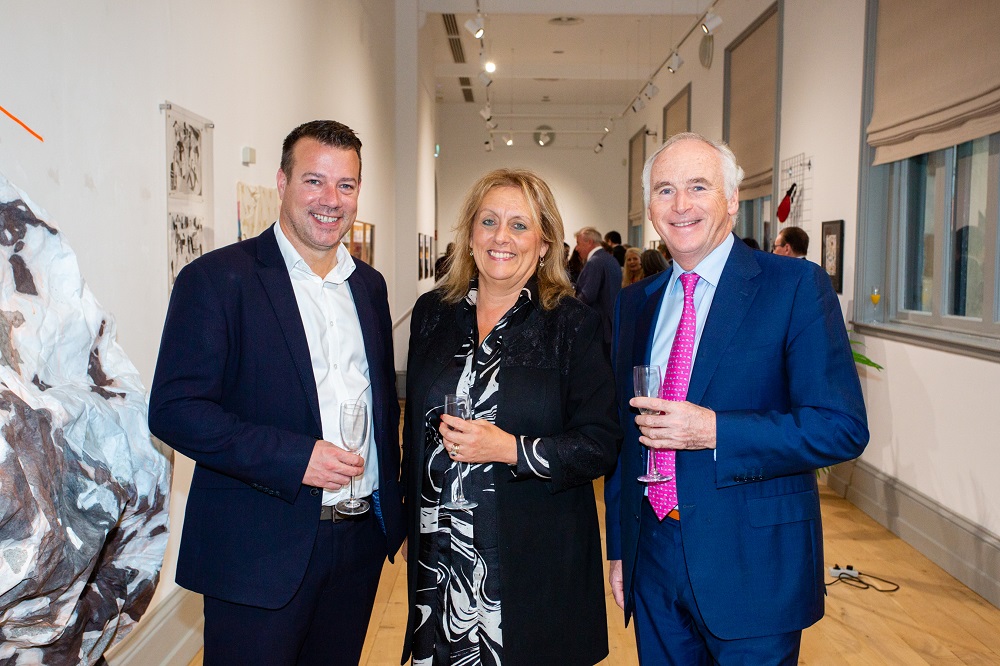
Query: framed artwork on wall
{"points": [[833, 253], [361, 242]]}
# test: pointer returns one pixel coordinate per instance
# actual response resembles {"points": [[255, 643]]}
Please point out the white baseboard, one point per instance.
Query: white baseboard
{"points": [[169, 635], [965, 550]]}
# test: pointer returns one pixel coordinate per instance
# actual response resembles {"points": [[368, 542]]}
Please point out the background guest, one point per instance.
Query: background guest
{"points": [[441, 265], [600, 280], [613, 244], [574, 264], [632, 272], [792, 242], [653, 263]]}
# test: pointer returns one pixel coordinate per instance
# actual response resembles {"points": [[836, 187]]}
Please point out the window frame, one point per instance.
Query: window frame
{"points": [[880, 248]]}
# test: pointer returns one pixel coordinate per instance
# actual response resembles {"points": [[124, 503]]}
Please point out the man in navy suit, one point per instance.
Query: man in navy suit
{"points": [[263, 341], [600, 280], [733, 571]]}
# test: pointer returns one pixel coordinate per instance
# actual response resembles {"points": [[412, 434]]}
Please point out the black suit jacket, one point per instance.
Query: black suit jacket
{"points": [[234, 390], [555, 383]]}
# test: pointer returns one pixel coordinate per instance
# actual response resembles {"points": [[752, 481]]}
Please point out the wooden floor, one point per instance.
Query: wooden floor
{"points": [[932, 619]]}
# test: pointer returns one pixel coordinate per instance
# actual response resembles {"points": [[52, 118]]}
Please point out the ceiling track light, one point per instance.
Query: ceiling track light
{"points": [[490, 66], [488, 145], [638, 105], [485, 79], [651, 90], [508, 139], [476, 26], [711, 23], [599, 147], [544, 135], [675, 62], [491, 124], [608, 126], [486, 112]]}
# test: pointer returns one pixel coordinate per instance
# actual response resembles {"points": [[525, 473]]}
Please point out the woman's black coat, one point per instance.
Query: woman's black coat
{"points": [[555, 383]]}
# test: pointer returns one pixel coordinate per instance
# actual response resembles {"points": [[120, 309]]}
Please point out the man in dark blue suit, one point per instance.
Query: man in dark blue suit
{"points": [[262, 342], [600, 280], [730, 570]]}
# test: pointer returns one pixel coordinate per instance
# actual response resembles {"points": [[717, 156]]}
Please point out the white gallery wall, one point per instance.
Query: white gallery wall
{"points": [[89, 77]]}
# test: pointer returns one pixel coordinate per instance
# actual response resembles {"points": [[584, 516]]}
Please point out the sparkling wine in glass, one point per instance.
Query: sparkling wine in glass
{"points": [[458, 405], [876, 296], [353, 432], [646, 380]]}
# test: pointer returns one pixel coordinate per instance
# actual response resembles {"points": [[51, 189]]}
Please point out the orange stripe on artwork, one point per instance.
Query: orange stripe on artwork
{"points": [[18, 121]]}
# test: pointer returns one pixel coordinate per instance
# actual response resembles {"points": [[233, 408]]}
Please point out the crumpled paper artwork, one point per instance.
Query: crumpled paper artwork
{"points": [[83, 489]]}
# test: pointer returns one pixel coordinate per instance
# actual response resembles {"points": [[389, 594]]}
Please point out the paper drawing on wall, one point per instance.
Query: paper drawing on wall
{"points": [[83, 490], [187, 242], [256, 209], [186, 166], [190, 232]]}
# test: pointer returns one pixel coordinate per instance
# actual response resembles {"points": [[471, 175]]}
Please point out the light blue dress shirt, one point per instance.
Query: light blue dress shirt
{"points": [[669, 317]]}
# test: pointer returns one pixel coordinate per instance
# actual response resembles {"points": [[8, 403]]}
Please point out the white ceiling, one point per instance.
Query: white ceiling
{"points": [[603, 60], [592, 69]]}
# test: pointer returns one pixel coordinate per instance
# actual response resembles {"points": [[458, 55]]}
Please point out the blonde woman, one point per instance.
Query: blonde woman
{"points": [[519, 578], [632, 272]]}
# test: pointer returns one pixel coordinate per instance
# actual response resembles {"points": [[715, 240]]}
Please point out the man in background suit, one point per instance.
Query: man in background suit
{"points": [[613, 243], [600, 280], [792, 242], [726, 565], [262, 342]]}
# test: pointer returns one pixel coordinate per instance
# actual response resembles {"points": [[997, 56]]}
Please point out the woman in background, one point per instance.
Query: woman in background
{"points": [[632, 271], [519, 578], [653, 263]]}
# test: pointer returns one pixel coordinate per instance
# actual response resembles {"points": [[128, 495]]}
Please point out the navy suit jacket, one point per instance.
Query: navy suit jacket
{"points": [[598, 286], [234, 390], [775, 365]]}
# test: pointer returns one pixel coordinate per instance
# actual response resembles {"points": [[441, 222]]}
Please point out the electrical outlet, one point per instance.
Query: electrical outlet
{"points": [[836, 571]]}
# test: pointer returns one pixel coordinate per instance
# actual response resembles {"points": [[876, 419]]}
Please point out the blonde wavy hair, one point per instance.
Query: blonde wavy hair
{"points": [[629, 276], [553, 282]]}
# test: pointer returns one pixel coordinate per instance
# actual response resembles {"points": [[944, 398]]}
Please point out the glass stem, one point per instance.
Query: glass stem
{"points": [[461, 488], [352, 490]]}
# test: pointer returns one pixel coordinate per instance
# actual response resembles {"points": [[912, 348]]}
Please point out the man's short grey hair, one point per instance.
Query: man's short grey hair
{"points": [[591, 234], [732, 173]]}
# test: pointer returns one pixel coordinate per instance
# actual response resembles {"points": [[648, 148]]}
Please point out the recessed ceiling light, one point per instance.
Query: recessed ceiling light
{"points": [[566, 20]]}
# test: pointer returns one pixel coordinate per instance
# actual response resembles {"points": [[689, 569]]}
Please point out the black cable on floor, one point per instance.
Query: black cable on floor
{"points": [[855, 581]]}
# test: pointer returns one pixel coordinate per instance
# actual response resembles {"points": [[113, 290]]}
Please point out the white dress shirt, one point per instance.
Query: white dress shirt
{"points": [[336, 350]]}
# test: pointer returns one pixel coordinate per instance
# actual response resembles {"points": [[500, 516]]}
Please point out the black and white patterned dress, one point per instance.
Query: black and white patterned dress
{"points": [[458, 570]]}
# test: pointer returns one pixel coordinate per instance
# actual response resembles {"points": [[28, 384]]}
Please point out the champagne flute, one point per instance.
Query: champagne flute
{"points": [[876, 296], [458, 405], [647, 382], [353, 432]]}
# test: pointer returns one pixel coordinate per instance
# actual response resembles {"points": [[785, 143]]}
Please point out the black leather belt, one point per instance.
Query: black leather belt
{"points": [[330, 512]]}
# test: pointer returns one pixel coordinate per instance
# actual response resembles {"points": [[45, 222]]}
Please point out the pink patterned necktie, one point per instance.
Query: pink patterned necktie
{"points": [[663, 496]]}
